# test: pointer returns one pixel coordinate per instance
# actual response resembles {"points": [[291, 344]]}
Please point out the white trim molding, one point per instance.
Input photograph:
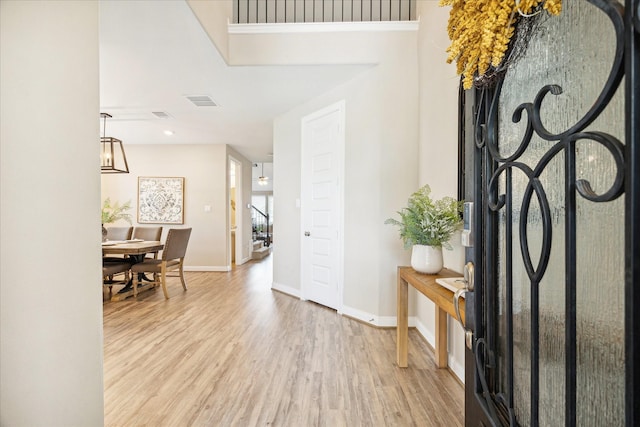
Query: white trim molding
{"points": [[372, 319], [207, 268], [456, 368], [323, 27], [423, 330], [286, 290], [360, 315], [244, 260]]}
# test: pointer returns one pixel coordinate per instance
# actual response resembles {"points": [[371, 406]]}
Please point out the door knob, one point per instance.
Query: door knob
{"points": [[306, 233]]}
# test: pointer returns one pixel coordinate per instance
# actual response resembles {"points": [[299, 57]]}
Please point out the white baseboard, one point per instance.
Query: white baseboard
{"points": [[286, 289], [374, 320], [363, 316], [207, 268], [214, 267], [387, 321], [456, 368], [422, 329]]}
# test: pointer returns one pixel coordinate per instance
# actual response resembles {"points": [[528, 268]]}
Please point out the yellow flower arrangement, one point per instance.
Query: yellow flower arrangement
{"points": [[480, 31]]}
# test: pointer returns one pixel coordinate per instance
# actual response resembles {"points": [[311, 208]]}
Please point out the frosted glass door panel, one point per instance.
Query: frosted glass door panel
{"points": [[574, 51]]}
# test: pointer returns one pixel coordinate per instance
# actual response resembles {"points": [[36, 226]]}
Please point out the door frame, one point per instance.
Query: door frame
{"points": [[239, 218], [632, 212], [471, 108], [338, 107]]}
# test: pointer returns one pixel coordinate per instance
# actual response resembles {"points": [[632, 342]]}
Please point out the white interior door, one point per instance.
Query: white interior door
{"points": [[322, 201]]}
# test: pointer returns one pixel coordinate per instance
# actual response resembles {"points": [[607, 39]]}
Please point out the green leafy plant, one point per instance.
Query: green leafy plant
{"points": [[428, 222], [114, 212]]}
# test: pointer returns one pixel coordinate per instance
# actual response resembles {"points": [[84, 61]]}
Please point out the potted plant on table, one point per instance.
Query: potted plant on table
{"points": [[112, 213], [426, 226]]}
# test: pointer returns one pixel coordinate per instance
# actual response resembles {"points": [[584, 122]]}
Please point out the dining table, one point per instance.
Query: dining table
{"points": [[135, 250]]}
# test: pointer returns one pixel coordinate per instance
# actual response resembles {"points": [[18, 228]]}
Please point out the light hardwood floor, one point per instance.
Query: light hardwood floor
{"points": [[232, 352]]}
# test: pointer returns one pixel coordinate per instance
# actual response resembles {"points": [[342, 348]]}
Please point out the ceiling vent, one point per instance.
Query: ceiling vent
{"points": [[160, 114], [202, 101]]}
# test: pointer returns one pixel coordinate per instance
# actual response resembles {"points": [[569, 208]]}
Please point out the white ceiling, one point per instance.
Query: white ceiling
{"points": [[155, 53]]}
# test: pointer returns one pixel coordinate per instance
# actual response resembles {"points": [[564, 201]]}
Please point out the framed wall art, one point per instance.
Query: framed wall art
{"points": [[160, 200]]}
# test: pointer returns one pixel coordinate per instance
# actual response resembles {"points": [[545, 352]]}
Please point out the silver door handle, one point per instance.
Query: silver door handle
{"points": [[469, 276], [456, 304], [469, 282]]}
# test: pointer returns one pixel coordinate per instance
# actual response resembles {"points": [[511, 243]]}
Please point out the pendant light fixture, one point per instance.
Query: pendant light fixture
{"points": [[112, 157], [263, 180]]}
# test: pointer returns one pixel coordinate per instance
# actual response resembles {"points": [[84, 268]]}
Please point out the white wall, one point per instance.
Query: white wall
{"points": [[380, 173], [50, 256], [204, 168], [286, 177], [278, 47], [439, 151]]}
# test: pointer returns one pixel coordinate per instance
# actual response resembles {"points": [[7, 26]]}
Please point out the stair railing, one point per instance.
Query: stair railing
{"points": [[260, 225], [285, 11]]}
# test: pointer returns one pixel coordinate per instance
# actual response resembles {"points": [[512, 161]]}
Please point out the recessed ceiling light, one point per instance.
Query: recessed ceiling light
{"points": [[168, 132]]}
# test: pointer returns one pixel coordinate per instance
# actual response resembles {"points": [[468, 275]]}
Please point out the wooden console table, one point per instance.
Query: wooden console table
{"points": [[443, 299]]}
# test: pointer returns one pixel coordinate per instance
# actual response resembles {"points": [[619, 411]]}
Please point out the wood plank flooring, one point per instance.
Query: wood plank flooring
{"points": [[232, 352]]}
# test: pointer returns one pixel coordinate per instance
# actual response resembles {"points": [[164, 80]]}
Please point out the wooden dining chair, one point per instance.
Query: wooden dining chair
{"points": [[172, 259]]}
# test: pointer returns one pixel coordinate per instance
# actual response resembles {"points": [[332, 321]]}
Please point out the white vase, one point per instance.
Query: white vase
{"points": [[426, 259]]}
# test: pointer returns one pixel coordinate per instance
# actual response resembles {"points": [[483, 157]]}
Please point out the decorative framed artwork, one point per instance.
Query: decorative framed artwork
{"points": [[160, 200]]}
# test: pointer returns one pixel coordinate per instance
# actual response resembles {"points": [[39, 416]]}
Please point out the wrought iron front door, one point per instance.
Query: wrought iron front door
{"points": [[552, 158]]}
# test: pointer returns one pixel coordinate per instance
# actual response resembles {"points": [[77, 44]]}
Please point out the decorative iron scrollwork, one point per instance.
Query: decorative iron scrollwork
{"points": [[564, 144]]}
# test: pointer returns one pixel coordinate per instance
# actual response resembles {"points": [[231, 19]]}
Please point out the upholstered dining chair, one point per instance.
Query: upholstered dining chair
{"points": [[110, 269], [119, 233], [148, 233], [172, 259]]}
